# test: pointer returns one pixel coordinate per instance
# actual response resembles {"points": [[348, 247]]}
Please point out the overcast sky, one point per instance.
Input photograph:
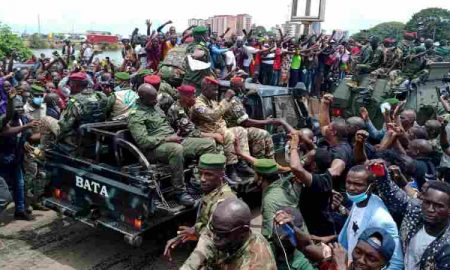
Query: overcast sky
{"points": [[120, 17]]}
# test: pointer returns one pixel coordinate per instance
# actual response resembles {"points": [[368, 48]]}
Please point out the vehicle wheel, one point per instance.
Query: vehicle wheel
{"points": [[135, 241]]}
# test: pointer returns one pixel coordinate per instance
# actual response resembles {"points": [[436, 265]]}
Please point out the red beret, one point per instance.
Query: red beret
{"points": [[389, 40], [78, 76], [237, 79], [186, 89], [211, 80], [152, 79], [411, 35]]}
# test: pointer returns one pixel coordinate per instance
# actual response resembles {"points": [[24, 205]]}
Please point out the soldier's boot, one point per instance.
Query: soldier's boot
{"points": [[243, 168], [185, 199], [232, 174], [23, 216]]}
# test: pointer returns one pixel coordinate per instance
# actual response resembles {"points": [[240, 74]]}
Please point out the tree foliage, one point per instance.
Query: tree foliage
{"points": [[259, 31], [37, 42], [10, 42], [431, 23], [383, 30]]}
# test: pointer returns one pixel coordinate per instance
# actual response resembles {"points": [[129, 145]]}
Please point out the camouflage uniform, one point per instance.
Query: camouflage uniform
{"points": [[207, 115], [254, 254], [195, 77], [412, 69], [166, 88], [149, 128], [34, 180], [122, 102], [259, 140], [85, 107], [371, 60], [179, 120], [392, 58], [205, 245]]}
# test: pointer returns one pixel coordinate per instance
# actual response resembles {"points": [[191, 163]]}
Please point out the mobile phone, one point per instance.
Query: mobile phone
{"points": [[377, 169], [291, 234]]}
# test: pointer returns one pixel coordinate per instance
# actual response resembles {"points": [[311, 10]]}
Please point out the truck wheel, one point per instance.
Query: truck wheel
{"points": [[135, 241]]}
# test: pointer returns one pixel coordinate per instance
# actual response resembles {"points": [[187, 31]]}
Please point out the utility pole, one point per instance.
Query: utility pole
{"points": [[39, 24]]}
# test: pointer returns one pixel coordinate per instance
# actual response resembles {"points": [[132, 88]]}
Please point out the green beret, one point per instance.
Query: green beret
{"points": [[199, 30], [145, 72], [212, 162], [392, 101], [122, 76], [419, 49], [37, 89], [265, 166]]}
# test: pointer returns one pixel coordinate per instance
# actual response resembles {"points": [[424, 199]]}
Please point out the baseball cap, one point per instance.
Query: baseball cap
{"points": [[380, 240]]}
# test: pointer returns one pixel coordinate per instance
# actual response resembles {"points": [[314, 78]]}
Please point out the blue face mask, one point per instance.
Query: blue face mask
{"points": [[360, 197], [37, 101]]}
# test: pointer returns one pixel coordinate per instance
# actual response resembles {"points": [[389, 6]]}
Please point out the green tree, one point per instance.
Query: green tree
{"points": [[431, 23], [37, 42], [10, 42], [259, 31], [382, 30]]}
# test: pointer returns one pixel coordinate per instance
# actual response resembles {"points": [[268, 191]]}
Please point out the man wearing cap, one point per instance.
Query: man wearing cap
{"points": [[197, 63], [207, 114], [85, 106], [161, 86], [215, 189], [157, 139], [178, 116], [122, 81], [122, 99], [34, 107]]}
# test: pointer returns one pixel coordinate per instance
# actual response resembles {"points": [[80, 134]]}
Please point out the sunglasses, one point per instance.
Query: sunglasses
{"points": [[223, 234]]}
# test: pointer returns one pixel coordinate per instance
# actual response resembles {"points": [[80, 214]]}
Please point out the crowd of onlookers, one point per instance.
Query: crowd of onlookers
{"points": [[352, 196]]}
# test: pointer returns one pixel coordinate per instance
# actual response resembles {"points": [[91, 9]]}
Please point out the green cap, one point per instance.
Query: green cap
{"points": [[199, 30], [122, 76], [145, 72], [37, 89], [392, 101], [265, 166], [212, 162]]}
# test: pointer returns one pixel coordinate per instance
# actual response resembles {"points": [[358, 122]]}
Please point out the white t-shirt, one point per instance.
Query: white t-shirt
{"points": [[250, 52], [416, 248], [87, 53], [354, 228], [230, 59], [269, 56]]}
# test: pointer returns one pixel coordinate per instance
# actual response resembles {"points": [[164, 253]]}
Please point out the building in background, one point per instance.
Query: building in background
{"points": [[196, 22], [220, 23], [291, 29]]}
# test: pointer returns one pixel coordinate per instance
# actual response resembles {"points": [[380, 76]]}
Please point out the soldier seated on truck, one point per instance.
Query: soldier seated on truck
{"points": [[157, 139]]}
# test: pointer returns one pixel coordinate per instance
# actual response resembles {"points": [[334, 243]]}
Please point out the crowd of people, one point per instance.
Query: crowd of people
{"points": [[350, 197]]}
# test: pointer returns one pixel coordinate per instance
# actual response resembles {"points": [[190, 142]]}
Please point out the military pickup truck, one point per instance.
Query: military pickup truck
{"points": [[423, 98], [111, 183]]}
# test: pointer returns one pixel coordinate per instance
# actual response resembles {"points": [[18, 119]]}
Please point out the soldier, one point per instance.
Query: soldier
{"points": [[235, 245], [215, 189], [122, 81], [413, 69], [155, 137], [259, 140], [197, 63], [161, 86], [207, 115], [371, 59], [178, 116], [122, 99], [85, 106]]}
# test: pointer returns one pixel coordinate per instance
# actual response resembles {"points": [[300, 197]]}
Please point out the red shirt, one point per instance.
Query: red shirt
{"points": [[277, 59]]}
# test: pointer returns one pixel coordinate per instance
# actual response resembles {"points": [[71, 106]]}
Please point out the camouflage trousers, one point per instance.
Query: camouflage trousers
{"points": [[202, 252], [374, 76], [397, 78], [34, 177], [260, 142], [174, 154], [230, 135]]}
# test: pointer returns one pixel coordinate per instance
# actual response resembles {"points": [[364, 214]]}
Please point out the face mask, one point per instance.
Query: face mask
{"points": [[358, 198], [37, 101]]}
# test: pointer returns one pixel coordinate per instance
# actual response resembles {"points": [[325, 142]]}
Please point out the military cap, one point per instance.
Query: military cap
{"points": [[211, 80], [145, 72], [152, 79], [265, 166], [419, 49], [392, 101], [122, 76], [212, 162], [199, 30], [186, 89], [78, 76], [37, 89]]}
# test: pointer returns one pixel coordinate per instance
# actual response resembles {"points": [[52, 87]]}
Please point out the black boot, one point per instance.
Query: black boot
{"points": [[23, 216], [243, 168], [232, 174]]}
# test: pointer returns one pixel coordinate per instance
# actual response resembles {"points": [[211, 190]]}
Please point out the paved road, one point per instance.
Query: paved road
{"points": [[53, 242]]}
